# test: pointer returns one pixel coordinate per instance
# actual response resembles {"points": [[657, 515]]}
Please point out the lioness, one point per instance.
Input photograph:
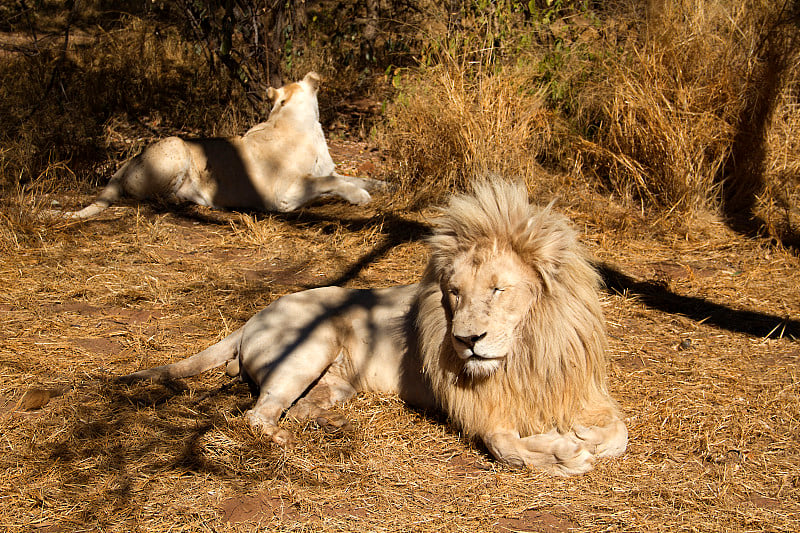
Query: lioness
{"points": [[278, 165], [504, 333]]}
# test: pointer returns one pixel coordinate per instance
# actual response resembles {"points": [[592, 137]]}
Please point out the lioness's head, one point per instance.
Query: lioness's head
{"points": [[299, 98], [496, 259]]}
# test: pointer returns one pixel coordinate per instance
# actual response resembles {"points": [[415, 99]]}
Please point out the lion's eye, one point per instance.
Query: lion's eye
{"points": [[497, 290], [453, 292], [282, 102]]}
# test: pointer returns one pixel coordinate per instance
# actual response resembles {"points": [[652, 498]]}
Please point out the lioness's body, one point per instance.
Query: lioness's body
{"points": [[278, 165], [504, 333]]}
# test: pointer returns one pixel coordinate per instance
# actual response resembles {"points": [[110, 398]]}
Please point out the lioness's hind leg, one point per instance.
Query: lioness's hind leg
{"points": [[317, 403]]}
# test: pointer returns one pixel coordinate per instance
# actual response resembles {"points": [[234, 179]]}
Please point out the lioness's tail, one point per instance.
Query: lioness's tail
{"points": [[225, 351], [110, 194]]}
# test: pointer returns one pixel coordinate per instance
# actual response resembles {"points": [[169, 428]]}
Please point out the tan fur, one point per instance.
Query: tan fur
{"points": [[278, 165], [555, 376], [504, 333]]}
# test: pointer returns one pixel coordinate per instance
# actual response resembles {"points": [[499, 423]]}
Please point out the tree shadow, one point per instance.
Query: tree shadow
{"points": [[655, 296], [395, 230], [398, 230]]}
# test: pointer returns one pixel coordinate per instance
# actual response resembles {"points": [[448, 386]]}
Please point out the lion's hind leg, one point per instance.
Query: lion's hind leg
{"points": [[283, 371], [559, 453], [317, 403]]}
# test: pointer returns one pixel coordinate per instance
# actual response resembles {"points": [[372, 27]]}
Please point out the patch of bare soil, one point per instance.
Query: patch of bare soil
{"points": [[703, 325]]}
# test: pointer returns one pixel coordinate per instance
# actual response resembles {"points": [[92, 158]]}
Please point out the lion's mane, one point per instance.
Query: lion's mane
{"points": [[555, 375]]}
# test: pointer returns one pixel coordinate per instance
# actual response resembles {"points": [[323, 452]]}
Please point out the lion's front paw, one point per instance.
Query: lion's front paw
{"points": [[572, 456], [332, 421], [604, 441], [561, 454], [267, 428]]}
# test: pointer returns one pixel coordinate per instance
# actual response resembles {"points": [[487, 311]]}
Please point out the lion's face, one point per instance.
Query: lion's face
{"points": [[487, 294]]}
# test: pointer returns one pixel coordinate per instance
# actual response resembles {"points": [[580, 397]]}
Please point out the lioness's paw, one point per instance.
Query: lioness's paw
{"points": [[359, 197], [376, 185]]}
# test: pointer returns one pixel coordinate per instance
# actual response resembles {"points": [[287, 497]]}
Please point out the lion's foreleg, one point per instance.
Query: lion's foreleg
{"points": [[562, 454], [316, 404], [283, 385]]}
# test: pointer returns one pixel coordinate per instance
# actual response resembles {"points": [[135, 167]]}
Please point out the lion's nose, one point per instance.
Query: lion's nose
{"points": [[469, 340]]}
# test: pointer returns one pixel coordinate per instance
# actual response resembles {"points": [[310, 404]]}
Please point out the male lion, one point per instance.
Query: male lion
{"points": [[278, 165], [504, 333]]}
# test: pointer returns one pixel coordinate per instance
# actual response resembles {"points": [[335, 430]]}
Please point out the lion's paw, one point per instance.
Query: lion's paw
{"points": [[266, 428], [573, 457], [604, 441], [560, 453], [332, 421]]}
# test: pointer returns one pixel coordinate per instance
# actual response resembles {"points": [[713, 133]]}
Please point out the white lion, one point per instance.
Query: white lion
{"points": [[278, 165], [504, 333]]}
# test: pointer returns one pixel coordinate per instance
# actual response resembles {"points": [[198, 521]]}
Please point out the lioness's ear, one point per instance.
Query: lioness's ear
{"points": [[272, 94], [313, 80]]}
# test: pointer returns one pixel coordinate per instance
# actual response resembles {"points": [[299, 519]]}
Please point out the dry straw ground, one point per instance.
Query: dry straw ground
{"points": [[704, 360], [638, 116]]}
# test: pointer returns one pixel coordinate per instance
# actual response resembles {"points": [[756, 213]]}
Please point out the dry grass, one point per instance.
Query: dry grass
{"points": [[448, 125], [778, 203], [70, 107], [703, 322], [665, 116], [714, 426]]}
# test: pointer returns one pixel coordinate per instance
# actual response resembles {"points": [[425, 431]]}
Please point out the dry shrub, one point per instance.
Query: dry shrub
{"points": [[779, 204], [663, 115], [449, 124], [26, 210], [58, 106], [660, 125]]}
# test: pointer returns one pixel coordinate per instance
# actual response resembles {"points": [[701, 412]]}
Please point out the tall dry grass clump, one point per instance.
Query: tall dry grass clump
{"points": [[778, 205], [663, 117], [662, 125], [449, 124]]}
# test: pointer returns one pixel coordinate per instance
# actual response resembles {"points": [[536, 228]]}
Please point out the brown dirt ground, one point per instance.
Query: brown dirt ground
{"points": [[704, 360]]}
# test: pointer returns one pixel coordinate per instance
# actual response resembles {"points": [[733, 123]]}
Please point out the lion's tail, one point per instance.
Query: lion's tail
{"points": [[225, 351], [110, 194]]}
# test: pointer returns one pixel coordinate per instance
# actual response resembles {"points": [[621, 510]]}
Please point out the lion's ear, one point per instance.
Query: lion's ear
{"points": [[272, 94], [313, 80], [544, 242]]}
